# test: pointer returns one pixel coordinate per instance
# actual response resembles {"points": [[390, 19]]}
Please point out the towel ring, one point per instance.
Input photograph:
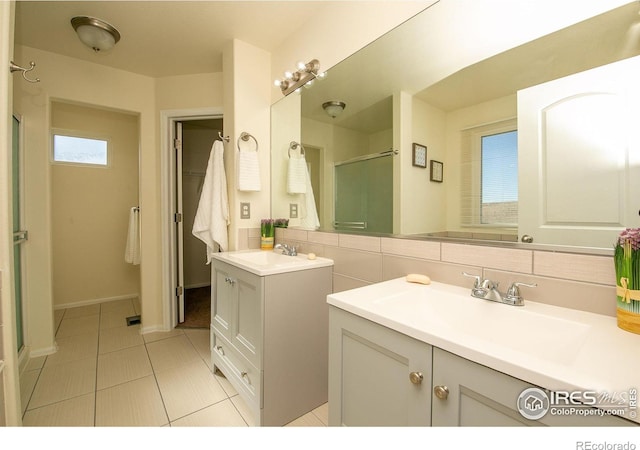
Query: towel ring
{"points": [[244, 136], [294, 146]]}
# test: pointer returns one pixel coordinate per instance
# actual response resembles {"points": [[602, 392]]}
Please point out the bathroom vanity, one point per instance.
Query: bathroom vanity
{"points": [[269, 322], [420, 355]]}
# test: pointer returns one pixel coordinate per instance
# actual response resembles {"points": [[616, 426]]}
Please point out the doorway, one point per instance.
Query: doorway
{"points": [[195, 139]]}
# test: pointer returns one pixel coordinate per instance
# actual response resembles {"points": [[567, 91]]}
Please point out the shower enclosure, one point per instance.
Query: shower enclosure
{"points": [[364, 194]]}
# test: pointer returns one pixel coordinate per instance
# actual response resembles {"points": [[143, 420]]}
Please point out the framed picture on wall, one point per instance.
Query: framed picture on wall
{"points": [[419, 155], [436, 171]]}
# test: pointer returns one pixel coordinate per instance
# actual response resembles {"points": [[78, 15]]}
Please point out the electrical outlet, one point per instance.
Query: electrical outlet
{"points": [[245, 210], [293, 210]]}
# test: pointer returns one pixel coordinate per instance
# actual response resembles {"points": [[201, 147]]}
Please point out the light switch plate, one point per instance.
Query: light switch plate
{"points": [[293, 210], [245, 210]]}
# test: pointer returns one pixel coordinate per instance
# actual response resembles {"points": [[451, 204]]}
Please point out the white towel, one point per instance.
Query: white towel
{"points": [[248, 171], [132, 251], [212, 216], [297, 176], [309, 217]]}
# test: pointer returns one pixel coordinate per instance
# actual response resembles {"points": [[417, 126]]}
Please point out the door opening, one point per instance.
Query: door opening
{"points": [[194, 139]]}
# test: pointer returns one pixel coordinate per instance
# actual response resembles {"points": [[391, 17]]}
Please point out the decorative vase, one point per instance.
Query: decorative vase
{"points": [[266, 234], [627, 264]]}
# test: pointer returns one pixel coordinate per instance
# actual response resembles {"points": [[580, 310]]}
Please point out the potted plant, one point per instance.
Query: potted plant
{"points": [[627, 264]]}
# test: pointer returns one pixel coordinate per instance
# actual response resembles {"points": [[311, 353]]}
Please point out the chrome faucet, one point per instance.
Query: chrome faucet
{"points": [[287, 250], [488, 290]]}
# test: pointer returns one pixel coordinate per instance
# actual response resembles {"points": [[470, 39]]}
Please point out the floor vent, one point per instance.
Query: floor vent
{"points": [[133, 320]]}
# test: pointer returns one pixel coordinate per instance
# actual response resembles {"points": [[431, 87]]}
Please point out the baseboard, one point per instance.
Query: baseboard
{"points": [[96, 300]]}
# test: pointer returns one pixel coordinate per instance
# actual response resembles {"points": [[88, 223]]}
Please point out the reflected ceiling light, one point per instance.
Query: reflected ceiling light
{"points": [[294, 80], [334, 108], [95, 33]]}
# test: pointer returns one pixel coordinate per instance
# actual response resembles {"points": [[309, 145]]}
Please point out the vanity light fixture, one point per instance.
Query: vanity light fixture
{"points": [[95, 33], [294, 80], [334, 108]]}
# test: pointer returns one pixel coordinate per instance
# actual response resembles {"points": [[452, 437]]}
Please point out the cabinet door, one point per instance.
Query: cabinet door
{"points": [[223, 300], [480, 396], [247, 316], [377, 377]]}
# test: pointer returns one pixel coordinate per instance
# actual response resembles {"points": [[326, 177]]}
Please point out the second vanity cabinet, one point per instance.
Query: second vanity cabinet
{"points": [[269, 338], [373, 382]]}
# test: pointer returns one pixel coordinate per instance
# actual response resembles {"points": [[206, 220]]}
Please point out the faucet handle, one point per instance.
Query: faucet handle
{"points": [[514, 289], [478, 279], [513, 293]]}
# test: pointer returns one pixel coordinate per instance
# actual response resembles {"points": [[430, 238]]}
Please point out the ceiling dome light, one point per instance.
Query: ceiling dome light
{"points": [[334, 108], [95, 33]]}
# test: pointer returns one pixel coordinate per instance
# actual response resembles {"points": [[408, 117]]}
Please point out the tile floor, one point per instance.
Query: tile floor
{"points": [[106, 374]]}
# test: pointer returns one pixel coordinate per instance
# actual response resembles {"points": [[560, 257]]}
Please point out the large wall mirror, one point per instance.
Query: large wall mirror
{"points": [[428, 139]]}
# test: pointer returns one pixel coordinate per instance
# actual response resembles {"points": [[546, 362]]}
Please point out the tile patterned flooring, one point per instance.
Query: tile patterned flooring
{"points": [[106, 373]]}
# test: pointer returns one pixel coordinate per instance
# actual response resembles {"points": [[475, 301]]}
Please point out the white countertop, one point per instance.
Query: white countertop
{"points": [[548, 346], [270, 262]]}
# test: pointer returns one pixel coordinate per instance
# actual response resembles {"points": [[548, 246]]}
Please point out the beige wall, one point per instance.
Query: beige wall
{"points": [[71, 80], [90, 210]]}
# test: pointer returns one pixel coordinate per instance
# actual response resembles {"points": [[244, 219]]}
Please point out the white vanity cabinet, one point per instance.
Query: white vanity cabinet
{"points": [[373, 381], [475, 395], [269, 338], [377, 376]]}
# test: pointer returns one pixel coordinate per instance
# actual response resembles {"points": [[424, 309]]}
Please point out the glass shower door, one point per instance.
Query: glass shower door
{"points": [[364, 195], [19, 235]]}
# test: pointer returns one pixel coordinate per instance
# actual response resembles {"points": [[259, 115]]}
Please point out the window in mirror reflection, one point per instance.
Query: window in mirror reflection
{"points": [[489, 175], [499, 178]]}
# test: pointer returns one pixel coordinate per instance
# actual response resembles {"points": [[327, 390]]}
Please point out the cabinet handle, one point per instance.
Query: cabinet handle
{"points": [[442, 392], [229, 280], [220, 349], [246, 376], [416, 377]]}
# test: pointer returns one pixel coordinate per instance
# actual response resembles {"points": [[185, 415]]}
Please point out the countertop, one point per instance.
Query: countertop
{"points": [[548, 346]]}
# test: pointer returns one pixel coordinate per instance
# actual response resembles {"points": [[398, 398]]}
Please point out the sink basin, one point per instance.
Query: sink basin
{"points": [[266, 262], [514, 327]]}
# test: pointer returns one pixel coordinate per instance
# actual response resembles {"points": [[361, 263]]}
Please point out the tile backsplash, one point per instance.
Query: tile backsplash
{"points": [[584, 282]]}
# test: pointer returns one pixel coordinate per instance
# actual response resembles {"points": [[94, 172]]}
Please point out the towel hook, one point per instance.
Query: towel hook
{"points": [[245, 137], [294, 146], [13, 67], [223, 138]]}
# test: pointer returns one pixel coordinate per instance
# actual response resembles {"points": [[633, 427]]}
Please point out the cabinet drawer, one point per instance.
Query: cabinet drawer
{"points": [[245, 377]]}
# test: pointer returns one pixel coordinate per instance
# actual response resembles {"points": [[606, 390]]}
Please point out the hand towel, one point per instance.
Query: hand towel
{"points": [[297, 176], [309, 218], [212, 216], [248, 171], [132, 250]]}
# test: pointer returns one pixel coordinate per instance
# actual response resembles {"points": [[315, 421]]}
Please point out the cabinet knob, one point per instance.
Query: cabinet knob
{"points": [[416, 377], [245, 375], [220, 349], [442, 392]]}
